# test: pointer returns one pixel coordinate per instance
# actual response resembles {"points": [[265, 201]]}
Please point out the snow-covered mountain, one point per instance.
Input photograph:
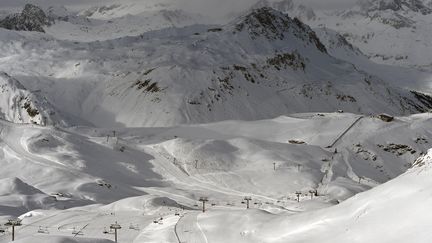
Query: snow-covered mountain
{"points": [[361, 36], [338, 46], [395, 32], [417, 6], [98, 24], [135, 112], [32, 18], [300, 11], [20, 105], [263, 64]]}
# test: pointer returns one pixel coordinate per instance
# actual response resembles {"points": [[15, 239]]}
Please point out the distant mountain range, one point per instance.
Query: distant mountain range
{"points": [[262, 64]]}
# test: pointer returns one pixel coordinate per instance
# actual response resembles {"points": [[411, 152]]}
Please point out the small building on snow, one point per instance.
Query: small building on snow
{"points": [[386, 118]]}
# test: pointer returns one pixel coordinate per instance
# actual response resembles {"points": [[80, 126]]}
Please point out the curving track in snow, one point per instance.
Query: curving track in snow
{"points": [[188, 229]]}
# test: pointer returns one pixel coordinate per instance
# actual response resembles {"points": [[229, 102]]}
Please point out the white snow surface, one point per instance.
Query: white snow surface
{"points": [[132, 111], [197, 74], [366, 36], [395, 37], [75, 179]]}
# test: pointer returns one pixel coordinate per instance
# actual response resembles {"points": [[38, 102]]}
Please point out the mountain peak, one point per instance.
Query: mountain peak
{"points": [[32, 18], [265, 21], [284, 5], [275, 25], [288, 6], [33, 10]]}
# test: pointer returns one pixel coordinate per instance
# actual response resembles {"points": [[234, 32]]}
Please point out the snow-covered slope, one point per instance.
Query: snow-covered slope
{"points": [[104, 22], [393, 212], [263, 64], [142, 77], [19, 105], [143, 157], [269, 160], [398, 206], [88, 26], [338, 46], [196, 77], [18, 197], [342, 34], [391, 32]]}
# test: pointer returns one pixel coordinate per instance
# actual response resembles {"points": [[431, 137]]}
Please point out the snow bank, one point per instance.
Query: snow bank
{"points": [[393, 212]]}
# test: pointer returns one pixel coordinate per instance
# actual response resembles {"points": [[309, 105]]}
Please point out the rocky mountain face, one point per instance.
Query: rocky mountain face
{"points": [[32, 18], [337, 45], [300, 11], [20, 105], [367, 24], [273, 25], [263, 64]]}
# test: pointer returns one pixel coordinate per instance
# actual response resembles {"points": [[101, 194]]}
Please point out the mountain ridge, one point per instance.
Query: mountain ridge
{"points": [[210, 73], [32, 18]]}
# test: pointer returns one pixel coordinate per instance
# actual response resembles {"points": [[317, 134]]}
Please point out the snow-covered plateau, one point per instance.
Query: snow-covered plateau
{"points": [[145, 121]]}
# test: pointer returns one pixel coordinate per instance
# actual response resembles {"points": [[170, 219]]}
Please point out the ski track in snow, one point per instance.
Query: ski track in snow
{"points": [[131, 112]]}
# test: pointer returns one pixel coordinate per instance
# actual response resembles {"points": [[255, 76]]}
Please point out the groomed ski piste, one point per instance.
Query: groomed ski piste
{"points": [[130, 115], [150, 181]]}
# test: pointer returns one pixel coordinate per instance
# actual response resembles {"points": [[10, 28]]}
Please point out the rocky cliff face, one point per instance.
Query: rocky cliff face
{"points": [[32, 18], [224, 73], [275, 25], [20, 105]]}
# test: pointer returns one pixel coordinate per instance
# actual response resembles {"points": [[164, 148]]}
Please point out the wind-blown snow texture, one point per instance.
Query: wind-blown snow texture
{"points": [[395, 32], [145, 173], [131, 112], [261, 65]]}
